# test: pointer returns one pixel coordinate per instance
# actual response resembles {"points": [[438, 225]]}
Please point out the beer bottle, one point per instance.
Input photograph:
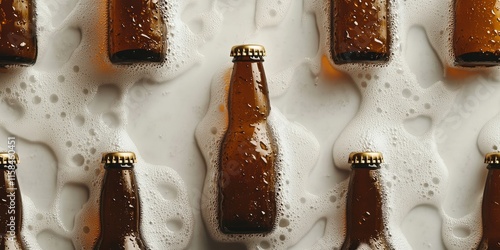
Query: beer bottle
{"points": [[136, 31], [18, 44], [359, 31], [476, 41], [247, 175], [120, 208], [11, 208], [491, 199], [364, 216]]}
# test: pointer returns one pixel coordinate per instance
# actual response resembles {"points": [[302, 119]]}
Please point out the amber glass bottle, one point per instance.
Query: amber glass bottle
{"points": [[18, 45], [476, 40], [136, 31], [359, 31], [120, 204], [247, 174], [365, 219], [11, 206], [491, 199]]}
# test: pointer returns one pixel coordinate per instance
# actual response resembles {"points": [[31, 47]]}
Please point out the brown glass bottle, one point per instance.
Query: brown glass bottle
{"points": [[120, 204], [365, 219], [136, 31], [247, 175], [359, 31], [476, 40], [11, 208], [18, 45], [491, 199]]}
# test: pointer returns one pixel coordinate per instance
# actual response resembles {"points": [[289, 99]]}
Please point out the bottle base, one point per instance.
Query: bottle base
{"points": [[478, 59], [245, 230], [136, 56], [360, 57], [16, 60], [258, 226]]}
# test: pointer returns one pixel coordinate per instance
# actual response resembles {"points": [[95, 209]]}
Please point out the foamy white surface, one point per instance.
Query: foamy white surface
{"points": [[73, 105]]}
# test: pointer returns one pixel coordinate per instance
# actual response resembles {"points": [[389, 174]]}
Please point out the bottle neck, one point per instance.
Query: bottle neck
{"points": [[120, 205], [248, 99], [11, 215], [364, 217], [491, 207]]}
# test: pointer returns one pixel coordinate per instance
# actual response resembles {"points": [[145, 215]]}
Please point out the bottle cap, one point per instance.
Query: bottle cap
{"points": [[492, 158], [248, 50], [118, 157], [366, 157], [5, 157]]}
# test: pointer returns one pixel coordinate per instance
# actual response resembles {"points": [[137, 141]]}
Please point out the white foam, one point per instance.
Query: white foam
{"points": [[72, 105], [73, 102]]}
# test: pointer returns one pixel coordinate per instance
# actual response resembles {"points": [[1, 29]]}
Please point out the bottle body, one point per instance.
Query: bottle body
{"points": [[475, 38], [247, 175], [18, 43], [136, 31], [365, 221], [491, 210], [119, 209], [359, 31], [11, 208]]}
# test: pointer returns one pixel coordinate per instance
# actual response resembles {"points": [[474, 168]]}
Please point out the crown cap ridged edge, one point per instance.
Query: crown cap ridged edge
{"points": [[118, 157], [366, 157], [492, 158], [248, 50], [5, 158]]}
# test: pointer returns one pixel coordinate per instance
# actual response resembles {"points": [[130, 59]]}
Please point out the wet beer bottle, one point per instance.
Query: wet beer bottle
{"points": [[491, 199], [247, 195], [359, 31], [119, 204], [476, 40], [136, 31], [365, 221], [11, 208], [18, 45]]}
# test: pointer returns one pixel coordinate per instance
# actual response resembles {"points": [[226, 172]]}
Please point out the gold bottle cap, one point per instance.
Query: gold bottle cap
{"points": [[248, 50], [366, 157], [5, 157], [118, 157], [492, 158]]}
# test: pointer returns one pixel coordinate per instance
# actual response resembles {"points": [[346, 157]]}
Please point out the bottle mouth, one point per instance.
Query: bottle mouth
{"points": [[118, 158], [7, 158], [248, 50], [492, 158], [366, 157]]}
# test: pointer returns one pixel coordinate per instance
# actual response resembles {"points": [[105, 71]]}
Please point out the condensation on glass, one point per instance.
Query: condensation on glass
{"points": [[120, 210], [136, 32], [490, 209], [247, 174], [365, 218], [18, 43], [359, 31], [476, 36], [11, 205]]}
